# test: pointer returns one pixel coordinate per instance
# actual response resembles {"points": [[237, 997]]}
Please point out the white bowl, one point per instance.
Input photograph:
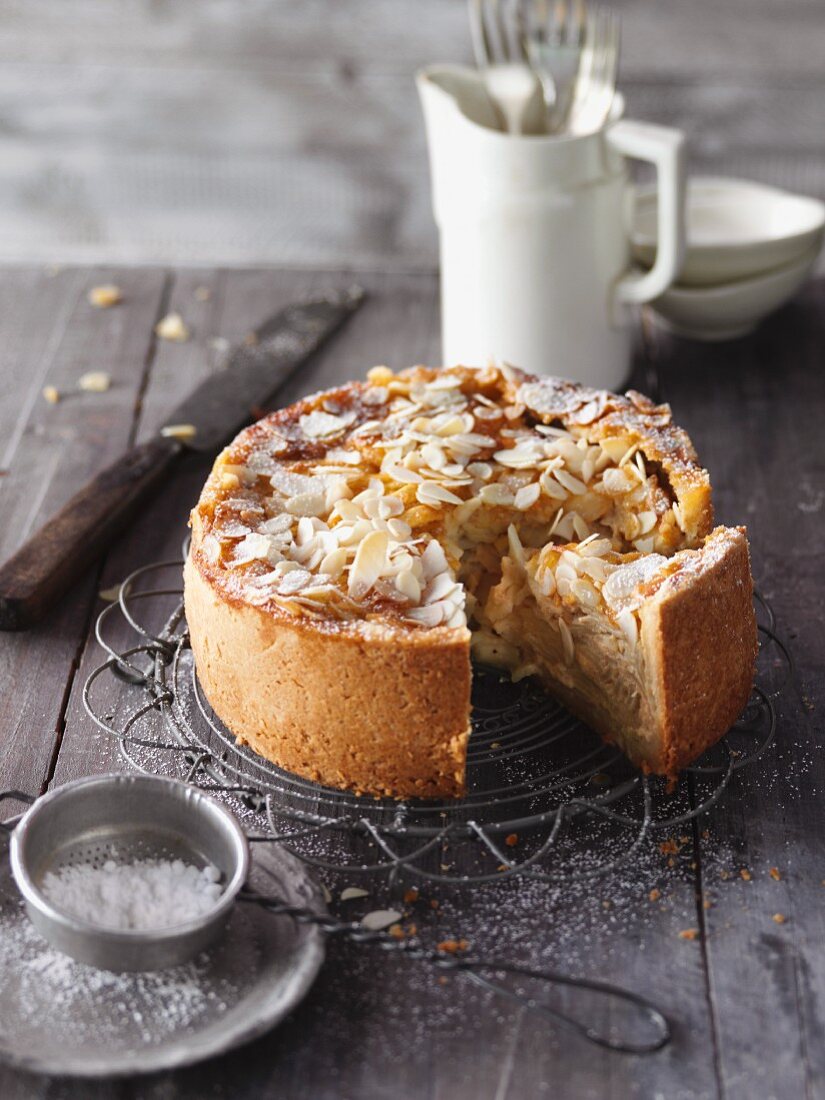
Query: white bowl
{"points": [[724, 312], [735, 229]]}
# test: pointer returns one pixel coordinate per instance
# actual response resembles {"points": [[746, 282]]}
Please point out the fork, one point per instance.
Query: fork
{"points": [[595, 87], [554, 37], [501, 55]]}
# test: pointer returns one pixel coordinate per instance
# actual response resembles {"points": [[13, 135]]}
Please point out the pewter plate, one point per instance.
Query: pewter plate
{"points": [[61, 1017]]}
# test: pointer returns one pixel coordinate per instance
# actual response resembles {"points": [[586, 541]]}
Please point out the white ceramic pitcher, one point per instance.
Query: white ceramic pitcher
{"points": [[534, 234]]}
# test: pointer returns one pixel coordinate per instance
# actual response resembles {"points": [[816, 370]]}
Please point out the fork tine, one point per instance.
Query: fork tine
{"points": [[522, 30], [591, 74], [502, 35], [579, 21], [478, 33]]}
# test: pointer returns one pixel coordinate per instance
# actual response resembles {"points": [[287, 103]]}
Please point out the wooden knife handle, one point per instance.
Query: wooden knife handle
{"points": [[43, 569]]}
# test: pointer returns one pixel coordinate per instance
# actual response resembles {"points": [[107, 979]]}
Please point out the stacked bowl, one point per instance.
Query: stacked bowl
{"points": [[749, 249]]}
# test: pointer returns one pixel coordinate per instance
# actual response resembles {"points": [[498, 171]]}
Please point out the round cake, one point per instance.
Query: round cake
{"points": [[349, 552]]}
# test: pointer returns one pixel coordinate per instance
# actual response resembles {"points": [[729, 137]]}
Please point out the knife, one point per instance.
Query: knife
{"points": [[42, 570]]}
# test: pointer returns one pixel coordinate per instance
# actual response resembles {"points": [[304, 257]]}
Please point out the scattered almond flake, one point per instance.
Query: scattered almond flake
{"points": [[527, 496], [102, 297], [745, 874], [514, 545], [307, 504], [111, 595], [370, 563], [379, 919], [183, 432], [573, 484], [353, 892], [322, 425], [94, 381], [689, 934], [430, 616], [496, 494], [774, 873], [408, 585], [294, 581], [403, 475], [172, 328], [567, 642], [626, 620], [203, 293], [433, 493], [52, 394], [779, 918]]}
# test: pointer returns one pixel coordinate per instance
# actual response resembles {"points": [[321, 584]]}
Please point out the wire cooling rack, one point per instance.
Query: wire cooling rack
{"points": [[546, 797]]}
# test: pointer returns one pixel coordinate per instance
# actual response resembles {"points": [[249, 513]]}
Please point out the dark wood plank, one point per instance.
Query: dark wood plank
{"points": [[54, 336], [754, 408]]}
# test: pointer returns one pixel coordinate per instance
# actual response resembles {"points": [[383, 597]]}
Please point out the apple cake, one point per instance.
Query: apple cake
{"points": [[349, 553]]}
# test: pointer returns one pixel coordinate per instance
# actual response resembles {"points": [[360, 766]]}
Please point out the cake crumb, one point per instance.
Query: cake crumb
{"points": [[669, 847], [779, 918], [103, 297], [774, 873], [52, 394], [452, 947], [745, 874], [511, 840], [172, 327], [411, 896], [707, 904], [654, 894], [94, 381], [203, 293], [183, 432], [689, 934]]}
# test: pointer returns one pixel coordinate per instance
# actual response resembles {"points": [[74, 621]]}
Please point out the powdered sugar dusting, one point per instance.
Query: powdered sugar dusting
{"points": [[142, 895]]}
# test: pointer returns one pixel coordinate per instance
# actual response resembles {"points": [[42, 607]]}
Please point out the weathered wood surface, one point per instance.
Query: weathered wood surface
{"points": [[746, 997], [269, 131]]}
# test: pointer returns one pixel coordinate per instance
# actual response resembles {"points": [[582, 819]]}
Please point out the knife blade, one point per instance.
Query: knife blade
{"points": [[43, 569], [227, 399]]}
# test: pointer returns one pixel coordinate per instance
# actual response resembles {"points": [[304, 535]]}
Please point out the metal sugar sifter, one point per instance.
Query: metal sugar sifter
{"points": [[127, 818], [139, 817]]}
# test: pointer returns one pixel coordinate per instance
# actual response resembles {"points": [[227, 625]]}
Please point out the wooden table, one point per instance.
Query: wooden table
{"points": [[747, 997]]}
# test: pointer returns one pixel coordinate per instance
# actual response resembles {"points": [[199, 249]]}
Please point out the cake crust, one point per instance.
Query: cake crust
{"points": [[700, 644], [292, 692]]}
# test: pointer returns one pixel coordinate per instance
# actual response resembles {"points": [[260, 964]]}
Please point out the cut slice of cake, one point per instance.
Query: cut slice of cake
{"points": [[654, 653]]}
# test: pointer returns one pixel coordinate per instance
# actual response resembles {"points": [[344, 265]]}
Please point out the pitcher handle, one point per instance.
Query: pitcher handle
{"points": [[665, 149]]}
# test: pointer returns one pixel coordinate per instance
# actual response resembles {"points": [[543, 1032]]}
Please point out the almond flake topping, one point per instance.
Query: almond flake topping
{"points": [[321, 425], [367, 514]]}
